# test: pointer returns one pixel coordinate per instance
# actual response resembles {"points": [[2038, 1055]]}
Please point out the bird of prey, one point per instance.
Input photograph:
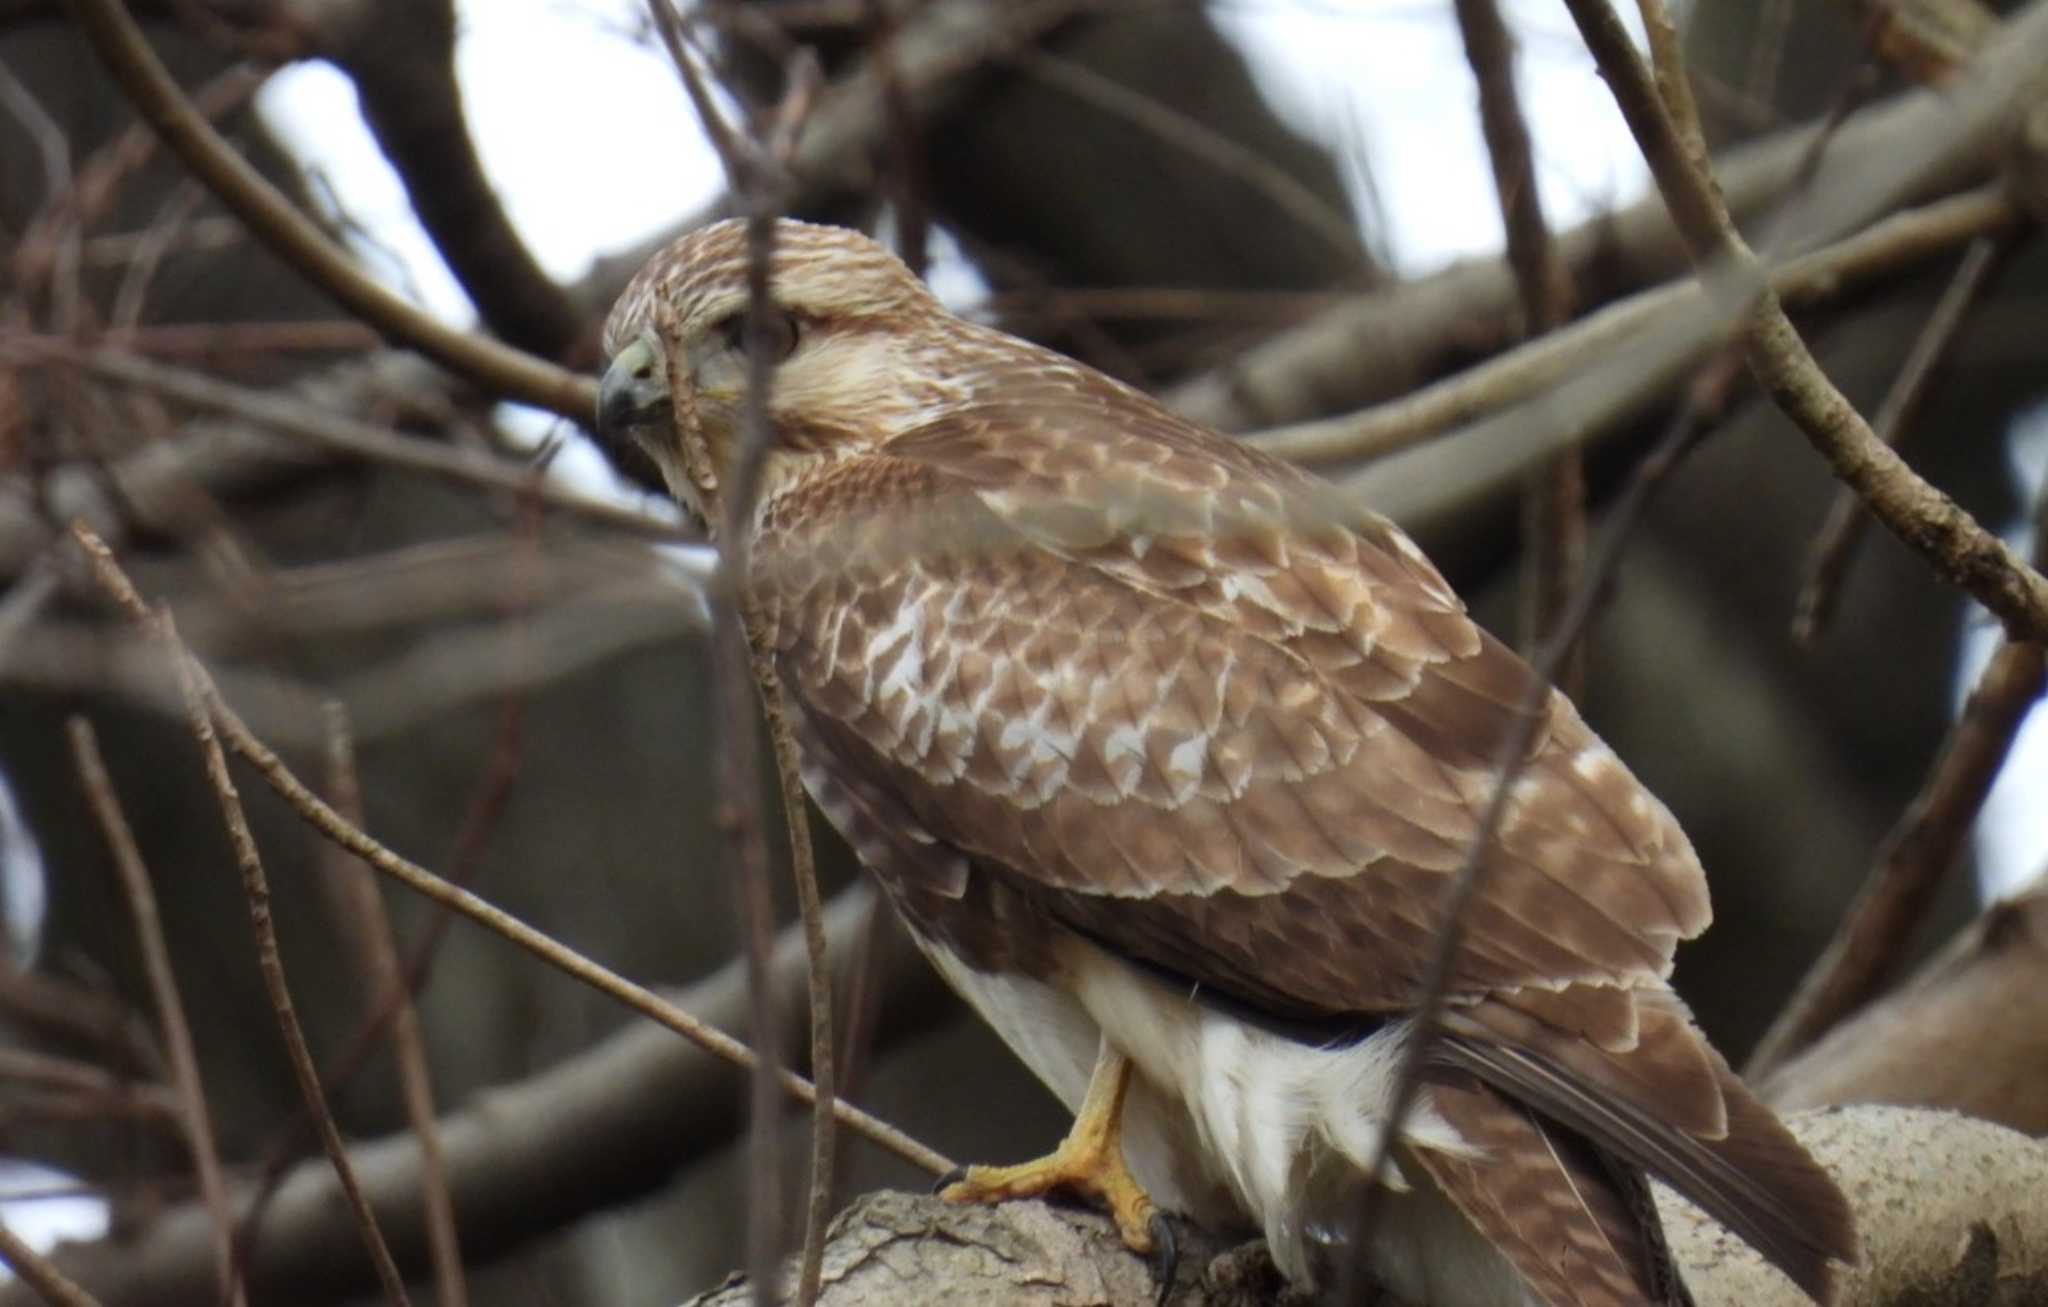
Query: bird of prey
{"points": [[1166, 755]]}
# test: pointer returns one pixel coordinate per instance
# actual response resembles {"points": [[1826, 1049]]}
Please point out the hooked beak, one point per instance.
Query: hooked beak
{"points": [[632, 395]]}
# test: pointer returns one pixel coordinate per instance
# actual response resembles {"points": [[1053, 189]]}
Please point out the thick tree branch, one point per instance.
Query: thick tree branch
{"points": [[401, 56], [1926, 1186]]}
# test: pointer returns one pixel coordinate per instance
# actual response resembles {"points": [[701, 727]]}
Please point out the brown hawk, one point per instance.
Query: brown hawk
{"points": [[1166, 755]]}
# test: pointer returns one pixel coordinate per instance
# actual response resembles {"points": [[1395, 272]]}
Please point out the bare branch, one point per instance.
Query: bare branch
{"points": [[523, 1159], [357, 439], [330, 824], [496, 367], [371, 929], [38, 1273], [1918, 852], [256, 888], [1524, 373], [1924, 518], [1554, 499], [1957, 1234], [824, 1061], [401, 56], [1385, 344], [1834, 544], [170, 1008]]}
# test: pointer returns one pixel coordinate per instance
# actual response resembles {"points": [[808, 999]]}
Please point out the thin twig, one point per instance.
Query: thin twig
{"points": [[904, 181], [494, 366], [757, 172], [68, 213], [121, 1095], [1554, 499], [74, 1012], [227, 344], [1867, 947], [371, 928], [36, 1272], [317, 813], [256, 888], [1923, 517], [824, 1057], [163, 988], [738, 810], [1834, 545], [342, 435]]}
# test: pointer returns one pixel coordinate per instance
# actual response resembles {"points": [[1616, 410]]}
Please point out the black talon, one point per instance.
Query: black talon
{"points": [[948, 1180], [1165, 1257]]}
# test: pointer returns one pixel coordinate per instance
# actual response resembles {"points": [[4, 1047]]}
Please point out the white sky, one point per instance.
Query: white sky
{"points": [[563, 107]]}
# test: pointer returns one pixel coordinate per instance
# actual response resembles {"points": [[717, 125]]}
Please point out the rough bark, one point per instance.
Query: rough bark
{"points": [[1953, 1212]]}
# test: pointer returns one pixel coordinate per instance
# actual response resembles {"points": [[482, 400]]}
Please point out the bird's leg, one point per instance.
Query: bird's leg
{"points": [[1089, 1161]]}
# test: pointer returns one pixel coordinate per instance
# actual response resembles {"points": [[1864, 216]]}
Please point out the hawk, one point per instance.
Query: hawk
{"points": [[1166, 755]]}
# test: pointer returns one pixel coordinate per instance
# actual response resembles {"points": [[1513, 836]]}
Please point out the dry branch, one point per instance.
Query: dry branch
{"points": [[1928, 1187], [202, 710], [756, 169], [496, 367], [1924, 518], [39, 1274], [1554, 497], [1376, 346], [1834, 543], [523, 1160], [1919, 852], [1519, 376], [331, 825], [170, 1008], [389, 988], [401, 56]]}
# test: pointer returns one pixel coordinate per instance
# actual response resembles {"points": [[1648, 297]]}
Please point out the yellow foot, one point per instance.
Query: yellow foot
{"points": [[1088, 1172], [1089, 1162]]}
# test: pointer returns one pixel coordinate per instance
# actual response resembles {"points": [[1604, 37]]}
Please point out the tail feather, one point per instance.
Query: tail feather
{"points": [[1751, 1175], [1576, 1228]]}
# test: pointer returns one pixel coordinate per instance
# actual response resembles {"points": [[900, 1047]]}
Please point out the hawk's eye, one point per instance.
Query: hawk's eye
{"points": [[780, 333]]}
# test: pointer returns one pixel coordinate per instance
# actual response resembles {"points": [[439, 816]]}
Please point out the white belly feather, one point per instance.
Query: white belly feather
{"points": [[1235, 1125]]}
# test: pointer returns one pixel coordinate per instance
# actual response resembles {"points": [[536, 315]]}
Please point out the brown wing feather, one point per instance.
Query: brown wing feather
{"points": [[1071, 684], [1251, 748]]}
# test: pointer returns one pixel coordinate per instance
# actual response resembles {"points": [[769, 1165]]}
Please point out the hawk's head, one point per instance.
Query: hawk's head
{"points": [[862, 351]]}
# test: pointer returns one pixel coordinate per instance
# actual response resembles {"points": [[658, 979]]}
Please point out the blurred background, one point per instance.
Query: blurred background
{"points": [[1268, 211]]}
